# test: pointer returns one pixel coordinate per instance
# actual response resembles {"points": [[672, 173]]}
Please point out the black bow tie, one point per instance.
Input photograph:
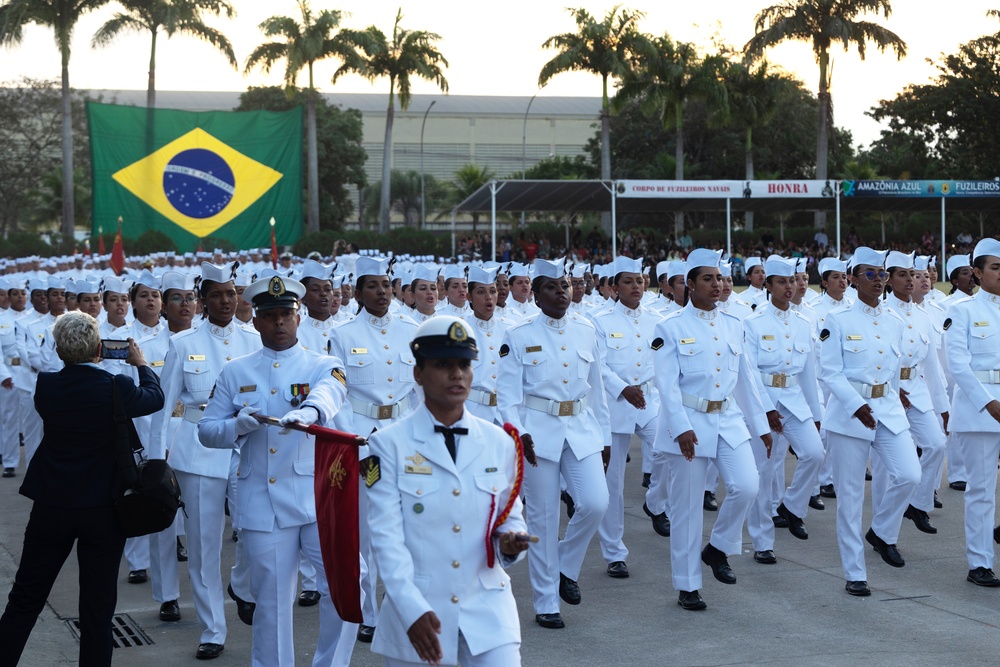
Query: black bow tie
{"points": [[449, 436]]}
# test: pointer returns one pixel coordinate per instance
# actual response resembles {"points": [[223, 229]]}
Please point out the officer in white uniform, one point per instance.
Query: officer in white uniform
{"points": [[193, 362], [380, 388], [550, 388], [860, 365], [275, 487], [779, 347], [489, 329], [973, 348], [437, 482], [624, 339], [703, 375]]}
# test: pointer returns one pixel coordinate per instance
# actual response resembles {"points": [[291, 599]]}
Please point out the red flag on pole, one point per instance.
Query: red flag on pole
{"points": [[274, 248], [118, 251], [336, 488]]}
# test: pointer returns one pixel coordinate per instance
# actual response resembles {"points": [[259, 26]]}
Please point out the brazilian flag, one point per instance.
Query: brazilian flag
{"points": [[219, 174]]}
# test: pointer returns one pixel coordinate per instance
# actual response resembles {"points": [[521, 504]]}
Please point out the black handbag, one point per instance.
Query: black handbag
{"points": [[151, 495]]}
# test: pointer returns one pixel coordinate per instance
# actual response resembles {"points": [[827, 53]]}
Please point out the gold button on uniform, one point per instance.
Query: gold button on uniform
{"points": [[276, 364], [456, 492], [456, 528], [273, 450], [272, 480], [455, 564], [274, 391], [454, 598]]}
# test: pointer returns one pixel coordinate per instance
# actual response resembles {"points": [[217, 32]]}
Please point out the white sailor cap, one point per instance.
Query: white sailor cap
{"points": [[452, 271], [425, 272], [316, 270], [832, 264], [700, 257], [751, 262], [900, 260], [726, 269], [483, 276], [86, 287], [179, 281], [779, 266], [626, 265], [676, 267], [546, 268], [218, 274], [147, 279], [661, 268], [921, 262], [517, 269], [116, 285], [956, 262], [38, 284], [371, 266], [864, 255], [987, 246]]}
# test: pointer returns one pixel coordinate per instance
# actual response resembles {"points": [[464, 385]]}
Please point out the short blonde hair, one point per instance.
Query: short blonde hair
{"points": [[77, 337]]}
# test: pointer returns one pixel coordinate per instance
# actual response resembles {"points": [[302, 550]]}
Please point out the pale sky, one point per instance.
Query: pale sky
{"points": [[495, 48]]}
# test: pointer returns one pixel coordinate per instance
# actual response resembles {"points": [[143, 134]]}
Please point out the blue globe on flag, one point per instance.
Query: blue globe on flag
{"points": [[198, 183]]}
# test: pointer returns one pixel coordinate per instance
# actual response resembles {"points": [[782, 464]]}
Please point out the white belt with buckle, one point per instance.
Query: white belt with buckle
{"points": [[705, 405], [779, 380], [483, 397], [908, 373], [380, 412], [192, 414], [555, 408], [988, 377], [14, 361], [869, 390]]}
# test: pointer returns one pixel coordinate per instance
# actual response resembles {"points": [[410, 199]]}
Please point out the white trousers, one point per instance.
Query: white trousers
{"points": [[898, 455], [205, 498], [137, 553], [274, 564], [10, 427], [612, 526], [239, 573], [657, 495], [980, 450], [925, 429], [585, 482], [164, 573], [369, 576], [687, 495], [508, 655]]}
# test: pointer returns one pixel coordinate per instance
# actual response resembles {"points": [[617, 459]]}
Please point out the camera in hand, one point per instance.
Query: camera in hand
{"points": [[114, 349]]}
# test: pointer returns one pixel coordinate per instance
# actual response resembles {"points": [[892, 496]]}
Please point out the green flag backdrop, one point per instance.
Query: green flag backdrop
{"points": [[222, 174]]}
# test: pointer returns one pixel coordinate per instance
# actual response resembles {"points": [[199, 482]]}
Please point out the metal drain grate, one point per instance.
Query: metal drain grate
{"points": [[125, 632]]}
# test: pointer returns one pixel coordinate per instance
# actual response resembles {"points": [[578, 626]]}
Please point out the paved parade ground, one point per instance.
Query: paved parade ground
{"points": [[792, 613]]}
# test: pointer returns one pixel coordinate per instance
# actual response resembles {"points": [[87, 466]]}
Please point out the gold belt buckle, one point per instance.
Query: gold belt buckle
{"points": [[566, 408], [16, 361], [384, 412], [178, 410], [878, 390], [778, 380], [904, 373], [493, 400], [714, 407]]}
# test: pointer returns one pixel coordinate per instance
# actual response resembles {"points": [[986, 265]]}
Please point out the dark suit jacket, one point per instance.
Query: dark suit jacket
{"points": [[75, 463]]}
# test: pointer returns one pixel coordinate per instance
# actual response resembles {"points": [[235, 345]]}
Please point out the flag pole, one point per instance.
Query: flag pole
{"points": [[274, 247]]}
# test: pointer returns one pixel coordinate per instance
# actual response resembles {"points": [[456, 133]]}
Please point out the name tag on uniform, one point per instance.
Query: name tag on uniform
{"points": [[156, 364], [359, 350], [196, 357], [980, 324], [854, 337], [416, 468], [248, 388], [687, 341], [533, 348], [617, 335], [767, 337]]}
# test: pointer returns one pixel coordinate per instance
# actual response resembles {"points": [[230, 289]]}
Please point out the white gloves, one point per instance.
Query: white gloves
{"points": [[245, 422], [306, 416]]}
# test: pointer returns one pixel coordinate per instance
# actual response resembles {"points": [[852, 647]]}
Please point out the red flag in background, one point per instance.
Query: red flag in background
{"points": [[337, 516], [100, 243], [118, 252], [274, 248]]}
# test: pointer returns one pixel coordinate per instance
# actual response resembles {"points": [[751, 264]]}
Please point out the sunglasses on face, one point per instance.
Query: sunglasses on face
{"points": [[871, 275]]}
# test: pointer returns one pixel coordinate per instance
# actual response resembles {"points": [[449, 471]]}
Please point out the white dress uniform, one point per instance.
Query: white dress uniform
{"points": [[860, 353], [753, 296], [973, 348], [380, 390], [193, 362], [550, 387], [822, 308], [275, 491], [524, 310], [317, 335], [30, 332], [703, 374], [921, 377], [779, 347], [624, 339], [10, 416], [429, 516], [490, 333]]}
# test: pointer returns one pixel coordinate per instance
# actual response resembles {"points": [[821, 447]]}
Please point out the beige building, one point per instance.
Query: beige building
{"points": [[498, 133]]}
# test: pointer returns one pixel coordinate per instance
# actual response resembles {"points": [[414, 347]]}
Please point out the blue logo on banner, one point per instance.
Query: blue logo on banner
{"points": [[198, 183]]}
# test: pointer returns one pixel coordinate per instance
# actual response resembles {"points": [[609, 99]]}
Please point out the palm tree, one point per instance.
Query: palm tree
{"points": [[605, 48], [170, 17], [304, 44], [61, 16], [669, 75], [824, 22], [410, 53], [468, 179]]}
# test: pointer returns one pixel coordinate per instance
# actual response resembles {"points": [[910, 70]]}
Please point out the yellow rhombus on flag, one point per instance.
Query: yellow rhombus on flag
{"points": [[198, 182]]}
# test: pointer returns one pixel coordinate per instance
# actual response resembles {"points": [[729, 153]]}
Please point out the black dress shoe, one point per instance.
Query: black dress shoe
{"points": [[236, 536], [182, 552], [661, 524], [710, 505], [645, 479], [691, 601], [553, 621], [568, 590], [868, 474], [858, 588], [816, 503], [137, 577], [244, 609], [827, 491], [170, 611], [996, 534], [795, 525], [765, 557], [366, 633], [779, 522], [717, 560], [570, 506], [309, 598], [889, 553], [8, 472], [209, 651], [982, 576], [618, 570], [937, 503], [957, 486], [920, 520]]}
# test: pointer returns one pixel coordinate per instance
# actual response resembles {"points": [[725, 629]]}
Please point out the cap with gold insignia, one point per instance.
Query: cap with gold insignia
{"points": [[274, 292], [445, 337]]}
